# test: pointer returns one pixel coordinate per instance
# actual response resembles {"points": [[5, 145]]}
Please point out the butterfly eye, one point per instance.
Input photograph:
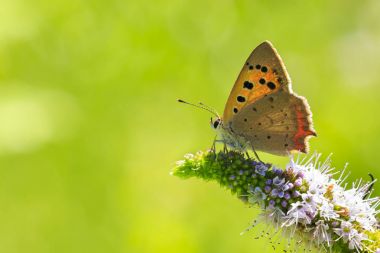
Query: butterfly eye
{"points": [[216, 123]]}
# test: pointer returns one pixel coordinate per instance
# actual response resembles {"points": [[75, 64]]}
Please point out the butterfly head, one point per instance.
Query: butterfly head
{"points": [[216, 123]]}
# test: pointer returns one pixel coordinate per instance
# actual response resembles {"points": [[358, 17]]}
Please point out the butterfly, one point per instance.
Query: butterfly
{"points": [[262, 112]]}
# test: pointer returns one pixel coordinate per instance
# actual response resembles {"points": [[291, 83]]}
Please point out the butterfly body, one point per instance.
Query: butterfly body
{"points": [[227, 136], [262, 112]]}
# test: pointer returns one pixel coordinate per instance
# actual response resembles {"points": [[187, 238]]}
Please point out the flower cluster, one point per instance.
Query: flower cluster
{"points": [[302, 201]]}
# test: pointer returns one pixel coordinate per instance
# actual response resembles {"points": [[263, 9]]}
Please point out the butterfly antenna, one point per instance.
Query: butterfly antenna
{"points": [[210, 108], [200, 106]]}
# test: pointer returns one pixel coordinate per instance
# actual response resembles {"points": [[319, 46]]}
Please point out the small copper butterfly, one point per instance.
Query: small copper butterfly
{"points": [[262, 112]]}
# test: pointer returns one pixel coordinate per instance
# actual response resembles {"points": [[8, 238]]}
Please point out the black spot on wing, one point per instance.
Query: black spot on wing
{"points": [[248, 85], [271, 85], [240, 99]]}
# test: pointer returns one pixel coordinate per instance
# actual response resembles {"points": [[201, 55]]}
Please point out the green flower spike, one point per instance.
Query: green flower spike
{"points": [[302, 201]]}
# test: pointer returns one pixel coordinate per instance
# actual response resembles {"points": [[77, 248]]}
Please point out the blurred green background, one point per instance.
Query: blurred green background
{"points": [[90, 126]]}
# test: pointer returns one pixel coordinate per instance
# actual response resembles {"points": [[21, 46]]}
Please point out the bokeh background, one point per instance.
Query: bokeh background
{"points": [[90, 126]]}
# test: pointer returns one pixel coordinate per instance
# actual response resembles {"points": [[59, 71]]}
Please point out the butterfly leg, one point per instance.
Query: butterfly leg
{"points": [[247, 154], [256, 155], [213, 146], [225, 150]]}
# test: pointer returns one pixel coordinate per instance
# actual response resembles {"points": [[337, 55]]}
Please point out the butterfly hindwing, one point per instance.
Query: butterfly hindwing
{"points": [[263, 73], [277, 123]]}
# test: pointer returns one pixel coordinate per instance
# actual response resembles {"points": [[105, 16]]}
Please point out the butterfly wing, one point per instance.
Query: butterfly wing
{"points": [[278, 123], [262, 108], [263, 73]]}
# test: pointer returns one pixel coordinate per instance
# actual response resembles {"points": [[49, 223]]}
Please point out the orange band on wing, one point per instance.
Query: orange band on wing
{"points": [[303, 130]]}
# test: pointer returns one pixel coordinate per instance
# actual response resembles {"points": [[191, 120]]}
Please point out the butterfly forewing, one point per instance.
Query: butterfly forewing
{"points": [[263, 74]]}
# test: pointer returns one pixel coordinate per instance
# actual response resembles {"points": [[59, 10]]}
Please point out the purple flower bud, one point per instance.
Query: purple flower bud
{"points": [[287, 196], [274, 193], [335, 224], [301, 174], [269, 182], [261, 169], [290, 185], [232, 177], [296, 194], [271, 203], [284, 203], [310, 214], [281, 194], [298, 182], [278, 181], [241, 172], [267, 188], [284, 188], [277, 171]]}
